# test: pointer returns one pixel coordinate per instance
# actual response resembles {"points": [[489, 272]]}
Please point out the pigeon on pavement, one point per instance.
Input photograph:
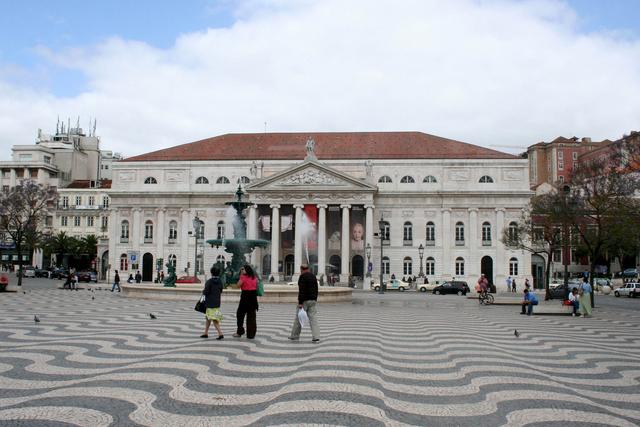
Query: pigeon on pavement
{"points": [[516, 333], [153, 316], [35, 319]]}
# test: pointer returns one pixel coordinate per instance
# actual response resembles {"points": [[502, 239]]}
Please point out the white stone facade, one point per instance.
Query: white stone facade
{"points": [[444, 192]]}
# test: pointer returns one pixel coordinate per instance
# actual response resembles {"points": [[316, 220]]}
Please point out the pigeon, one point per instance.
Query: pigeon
{"points": [[92, 298], [35, 319], [516, 333], [153, 316], [24, 292]]}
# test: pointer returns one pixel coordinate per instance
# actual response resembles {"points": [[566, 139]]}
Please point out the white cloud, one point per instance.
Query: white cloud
{"points": [[491, 73]]}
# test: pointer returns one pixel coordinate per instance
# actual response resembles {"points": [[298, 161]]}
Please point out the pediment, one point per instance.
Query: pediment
{"points": [[310, 175]]}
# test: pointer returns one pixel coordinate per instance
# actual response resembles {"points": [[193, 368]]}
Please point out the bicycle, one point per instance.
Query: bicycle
{"points": [[485, 298]]}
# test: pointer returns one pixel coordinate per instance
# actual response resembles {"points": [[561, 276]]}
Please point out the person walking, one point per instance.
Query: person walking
{"points": [[116, 282], [585, 297], [509, 284], [138, 277], [513, 285], [248, 303], [308, 301], [212, 294]]}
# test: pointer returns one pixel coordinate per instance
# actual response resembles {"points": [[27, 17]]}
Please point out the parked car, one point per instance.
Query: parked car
{"points": [[630, 289], [393, 284], [427, 287], [630, 272], [41, 272], [561, 291], [452, 287], [187, 279], [59, 273], [87, 276], [27, 271]]}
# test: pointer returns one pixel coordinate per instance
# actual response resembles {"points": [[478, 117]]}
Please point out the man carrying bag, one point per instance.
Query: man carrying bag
{"points": [[307, 301]]}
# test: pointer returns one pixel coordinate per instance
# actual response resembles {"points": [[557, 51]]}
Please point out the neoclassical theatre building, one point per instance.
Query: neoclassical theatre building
{"points": [[318, 198]]}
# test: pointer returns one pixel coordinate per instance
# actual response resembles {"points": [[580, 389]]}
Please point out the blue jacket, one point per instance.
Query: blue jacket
{"points": [[530, 296]]}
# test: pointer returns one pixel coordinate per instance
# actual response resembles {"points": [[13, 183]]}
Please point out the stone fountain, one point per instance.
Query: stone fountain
{"points": [[239, 246]]}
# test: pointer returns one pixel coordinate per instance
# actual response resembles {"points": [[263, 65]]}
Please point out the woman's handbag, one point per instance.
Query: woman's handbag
{"points": [[260, 288], [201, 306]]}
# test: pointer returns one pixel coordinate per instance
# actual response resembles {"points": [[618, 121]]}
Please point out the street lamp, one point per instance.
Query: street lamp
{"points": [[367, 251], [197, 224], [381, 226], [421, 253]]}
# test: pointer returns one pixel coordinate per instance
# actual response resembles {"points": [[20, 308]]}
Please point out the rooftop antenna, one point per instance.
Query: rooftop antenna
{"points": [[68, 126], [95, 122], [78, 123], [58, 125]]}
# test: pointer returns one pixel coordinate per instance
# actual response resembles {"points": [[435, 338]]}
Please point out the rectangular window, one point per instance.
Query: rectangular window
{"points": [[5, 188], [560, 166], [574, 155], [47, 160], [63, 221], [386, 268], [560, 155], [575, 165], [76, 221], [557, 255], [19, 173], [105, 223], [65, 202], [105, 201], [78, 200], [92, 200], [34, 173], [25, 157], [89, 221]]}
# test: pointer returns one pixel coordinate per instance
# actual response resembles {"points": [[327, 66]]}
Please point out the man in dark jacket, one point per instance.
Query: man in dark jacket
{"points": [[307, 300]]}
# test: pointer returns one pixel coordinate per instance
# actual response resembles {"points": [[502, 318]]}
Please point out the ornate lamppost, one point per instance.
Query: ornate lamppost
{"points": [[381, 226], [197, 225], [421, 253]]}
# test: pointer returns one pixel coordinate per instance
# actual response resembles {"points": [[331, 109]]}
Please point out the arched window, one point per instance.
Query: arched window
{"points": [[407, 233], [150, 180], [220, 230], [173, 231], [201, 230], [124, 231], [430, 179], [385, 179], [430, 266], [486, 234], [407, 266], [148, 231], [486, 179], [124, 262], [386, 265], [386, 231], [513, 232], [407, 180], [202, 180], [459, 266], [459, 234], [244, 180], [223, 180], [513, 266], [431, 234], [173, 260]]}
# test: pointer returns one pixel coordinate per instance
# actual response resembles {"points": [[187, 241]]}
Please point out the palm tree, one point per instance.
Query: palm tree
{"points": [[61, 246]]}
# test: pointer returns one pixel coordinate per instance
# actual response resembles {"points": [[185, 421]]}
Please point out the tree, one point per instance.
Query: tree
{"points": [[59, 245], [23, 211], [538, 231]]}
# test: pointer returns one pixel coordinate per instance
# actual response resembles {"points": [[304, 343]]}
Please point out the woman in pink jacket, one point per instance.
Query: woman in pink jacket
{"points": [[248, 302]]}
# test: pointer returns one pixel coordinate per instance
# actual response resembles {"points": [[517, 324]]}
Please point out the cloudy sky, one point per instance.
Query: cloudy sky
{"points": [[501, 74]]}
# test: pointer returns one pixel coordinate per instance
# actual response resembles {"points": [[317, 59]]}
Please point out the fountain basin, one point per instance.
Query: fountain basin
{"points": [[272, 293]]}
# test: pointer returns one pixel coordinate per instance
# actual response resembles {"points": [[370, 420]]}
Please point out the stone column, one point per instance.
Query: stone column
{"points": [[252, 233], [297, 248], [12, 178], [159, 238], [275, 241], [345, 249], [322, 241], [368, 241], [114, 238], [500, 263], [473, 264], [185, 227], [136, 234], [448, 264]]}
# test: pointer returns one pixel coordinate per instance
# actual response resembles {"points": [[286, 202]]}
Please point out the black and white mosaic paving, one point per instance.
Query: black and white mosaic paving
{"points": [[422, 360]]}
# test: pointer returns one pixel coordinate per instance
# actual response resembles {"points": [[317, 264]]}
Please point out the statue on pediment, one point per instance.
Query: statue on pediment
{"points": [[310, 146]]}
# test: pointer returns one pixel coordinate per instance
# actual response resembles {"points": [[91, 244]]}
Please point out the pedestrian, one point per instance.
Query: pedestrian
{"points": [[116, 282], [248, 302], [162, 277], [585, 297], [573, 299], [509, 281], [130, 279], [528, 302], [513, 285], [74, 279], [212, 294], [307, 301], [138, 277], [527, 285], [322, 280]]}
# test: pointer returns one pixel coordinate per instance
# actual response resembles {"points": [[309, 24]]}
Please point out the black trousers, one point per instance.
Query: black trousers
{"points": [[247, 308]]}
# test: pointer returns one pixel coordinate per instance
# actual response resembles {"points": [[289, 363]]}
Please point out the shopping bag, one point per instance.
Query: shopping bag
{"points": [[200, 305], [303, 318], [260, 289]]}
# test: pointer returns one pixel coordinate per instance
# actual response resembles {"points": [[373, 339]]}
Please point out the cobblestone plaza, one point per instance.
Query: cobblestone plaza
{"points": [[98, 359]]}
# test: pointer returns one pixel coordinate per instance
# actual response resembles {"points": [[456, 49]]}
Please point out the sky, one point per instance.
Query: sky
{"points": [[155, 74]]}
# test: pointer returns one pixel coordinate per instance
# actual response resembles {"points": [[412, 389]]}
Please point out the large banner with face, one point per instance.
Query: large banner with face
{"points": [[357, 229]]}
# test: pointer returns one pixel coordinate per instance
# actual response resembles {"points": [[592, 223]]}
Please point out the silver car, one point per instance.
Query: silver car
{"points": [[631, 289]]}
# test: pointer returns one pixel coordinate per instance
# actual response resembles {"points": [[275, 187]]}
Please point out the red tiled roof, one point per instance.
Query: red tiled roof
{"points": [[329, 145], [85, 183]]}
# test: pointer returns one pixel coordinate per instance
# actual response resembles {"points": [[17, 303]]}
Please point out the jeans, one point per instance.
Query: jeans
{"points": [[114, 286], [528, 307], [576, 306], [310, 307]]}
